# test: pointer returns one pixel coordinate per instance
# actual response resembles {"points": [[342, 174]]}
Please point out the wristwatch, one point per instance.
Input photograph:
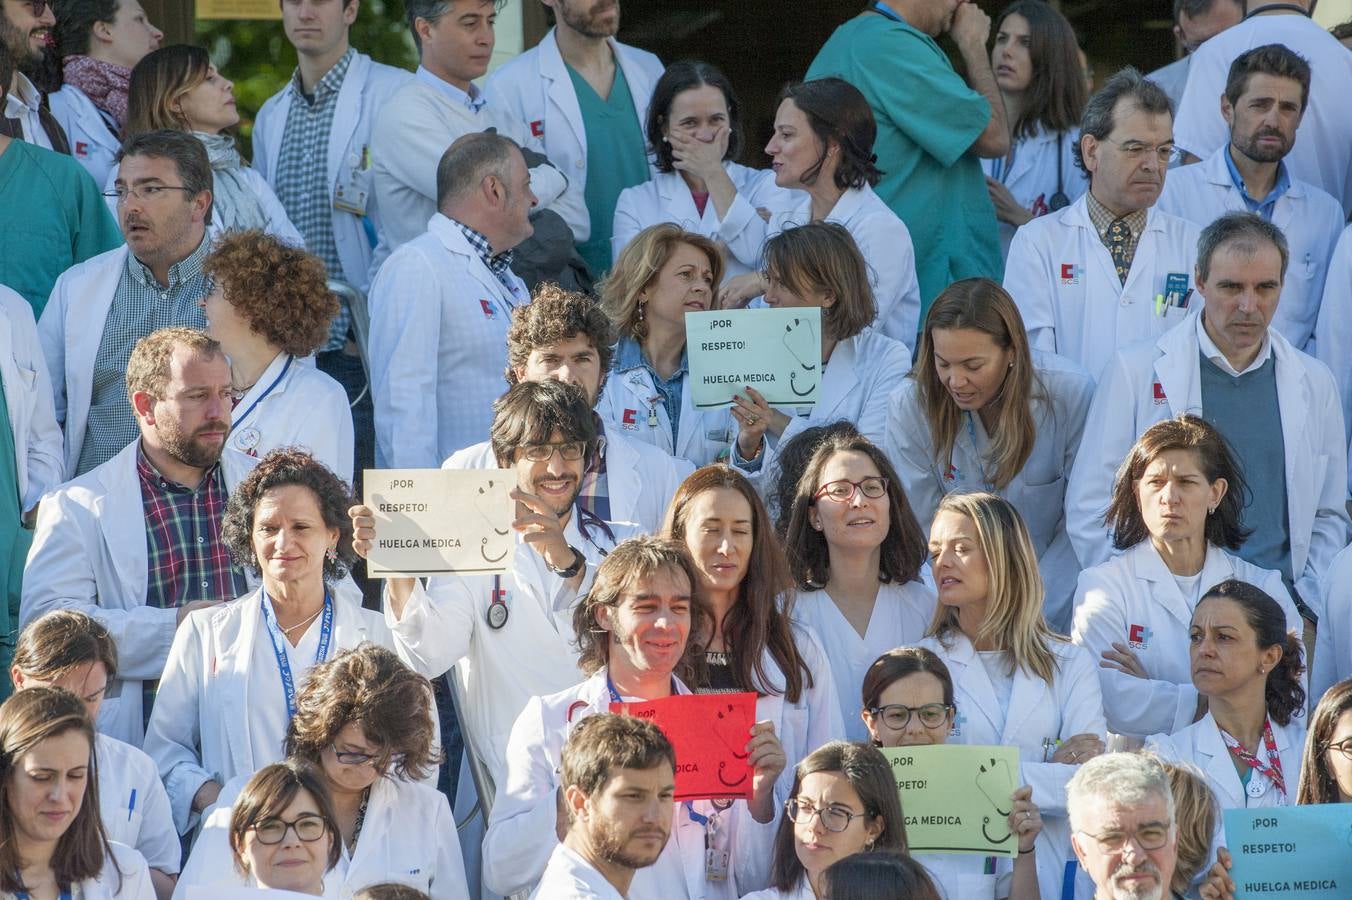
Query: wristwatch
{"points": [[578, 562]]}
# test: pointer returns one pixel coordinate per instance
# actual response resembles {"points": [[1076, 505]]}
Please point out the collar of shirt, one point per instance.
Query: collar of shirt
{"points": [[497, 264], [629, 355], [473, 98], [155, 480], [182, 271], [1279, 186], [1103, 218], [329, 84], [26, 94], [1213, 353]]}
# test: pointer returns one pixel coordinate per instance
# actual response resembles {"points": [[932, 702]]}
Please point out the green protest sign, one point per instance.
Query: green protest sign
{"points": [[776, 351], [956, 798]]}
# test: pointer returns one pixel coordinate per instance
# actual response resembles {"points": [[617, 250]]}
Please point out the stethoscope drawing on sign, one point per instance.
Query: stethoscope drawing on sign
{"points": [[811, 364]]}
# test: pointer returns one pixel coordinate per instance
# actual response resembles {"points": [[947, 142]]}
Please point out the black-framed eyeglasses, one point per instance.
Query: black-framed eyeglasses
{"points": [[356, 758], [144, 192], [834, 818], [1344, 747], [570, 450], [1150, 836], [896, 715], [842, 491], [309, 827]]}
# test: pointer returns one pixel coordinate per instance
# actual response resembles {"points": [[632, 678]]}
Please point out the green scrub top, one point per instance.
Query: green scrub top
{"points": [[928, 119], [14, 543]]}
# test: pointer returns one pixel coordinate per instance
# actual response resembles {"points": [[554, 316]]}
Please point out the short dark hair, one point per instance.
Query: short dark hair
{"points": [[600, 744], [837, 111], [1098, 121], [530, 412], [389, 890], [878, 873], [895, 665], [555, 314], [1284, 695], [469, 160], [186, 152], [1276, 60], [680, 77], [431, 10], [75, 21], [822, 257], [1195, 8], [61, 641], [269, 792], [284, 467], [1247, 231]]}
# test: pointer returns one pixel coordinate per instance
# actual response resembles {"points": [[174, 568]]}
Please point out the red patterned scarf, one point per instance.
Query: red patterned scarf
{"points": [[104, 83]]}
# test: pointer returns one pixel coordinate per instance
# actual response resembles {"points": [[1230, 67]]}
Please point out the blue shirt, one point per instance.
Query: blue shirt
{"points": [[474, 99], [1265, 206], [629, 355]]}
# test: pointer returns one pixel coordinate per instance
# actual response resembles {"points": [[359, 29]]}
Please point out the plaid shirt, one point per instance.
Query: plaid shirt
{"points": [[302, 176], [140, 306], [500, 265], [1103, 219], [594, 494], [186, 560]]}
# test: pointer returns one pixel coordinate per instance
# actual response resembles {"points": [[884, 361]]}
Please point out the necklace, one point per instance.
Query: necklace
{"points": [[306, 621], [361, 820]]}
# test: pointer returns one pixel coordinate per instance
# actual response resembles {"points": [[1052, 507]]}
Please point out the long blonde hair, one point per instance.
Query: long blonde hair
{"points": [[639, 264], [1014, 622], [159, 82], [981, 305]]}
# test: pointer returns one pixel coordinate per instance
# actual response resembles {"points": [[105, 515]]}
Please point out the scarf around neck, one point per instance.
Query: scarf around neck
{"points": [[235, 206], [104, 83]]}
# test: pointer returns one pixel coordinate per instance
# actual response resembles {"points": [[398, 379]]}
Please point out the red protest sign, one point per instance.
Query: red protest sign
{"points": [[710, 733]]}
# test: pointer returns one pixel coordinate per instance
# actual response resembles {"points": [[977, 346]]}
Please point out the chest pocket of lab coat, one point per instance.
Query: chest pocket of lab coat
{"points": [[123, 823]]}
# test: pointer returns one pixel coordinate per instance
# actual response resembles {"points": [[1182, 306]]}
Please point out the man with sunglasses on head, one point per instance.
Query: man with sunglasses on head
{"points": [[1122, 826], [26, 31]]}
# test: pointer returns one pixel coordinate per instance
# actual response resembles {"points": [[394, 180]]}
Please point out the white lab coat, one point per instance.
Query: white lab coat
{"points": [[1173, 78], [521, 832], [536, 90], [1062, 395], [1062, 278], [1310, 218], [570, 877], [1333, 330], [408, 837], [667, 198], [856, 386], [1150, 382], [885, 243], [125, 876], [1038, 712], [640, 478], [211, 694], [1032, 176], [901, 614], [964, 877], [93, 144], [1320, 154], [414, 130], [532, 655], [801, 891], [705, 434], [298, 406], [1133, 599], [438, 347], [1201, 745], [1333, 642], [365, 89], [133, 804], [38, 462], [89, 554]]}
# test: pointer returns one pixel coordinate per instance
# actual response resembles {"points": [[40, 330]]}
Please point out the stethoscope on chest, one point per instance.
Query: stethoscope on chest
{"points": [[499, 599]]}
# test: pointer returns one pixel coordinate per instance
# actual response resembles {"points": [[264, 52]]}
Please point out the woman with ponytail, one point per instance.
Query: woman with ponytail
{"points": [[1248, 667]]}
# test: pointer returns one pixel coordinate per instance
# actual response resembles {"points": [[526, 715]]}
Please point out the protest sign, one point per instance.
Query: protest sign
{"points": [[1291, 852], [776, 351], [956, 798], [709, 733], [440, 521]]}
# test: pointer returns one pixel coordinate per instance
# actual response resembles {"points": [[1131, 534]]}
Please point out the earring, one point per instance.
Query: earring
{"points": [[641, 305], [868, 845], [331, 554], [1211, 510]]}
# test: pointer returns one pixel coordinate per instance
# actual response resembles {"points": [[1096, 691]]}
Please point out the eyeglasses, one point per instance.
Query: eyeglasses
{"points": [[842, 491], [895, 715], [1344, 747], [309, 827], [1150, 836], [834, 818], [354, 758], [545, 452], [144, 192], [1135, 150]]}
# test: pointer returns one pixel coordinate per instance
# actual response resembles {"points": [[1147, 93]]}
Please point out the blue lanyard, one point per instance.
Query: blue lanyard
{"points": [[263, 396], [976, 454], [887, 12], [615, 695], [23, 895], [283, 666]]}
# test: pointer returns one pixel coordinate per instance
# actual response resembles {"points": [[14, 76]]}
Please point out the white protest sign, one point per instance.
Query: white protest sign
{"points": [[778, 352], [440, 521]]}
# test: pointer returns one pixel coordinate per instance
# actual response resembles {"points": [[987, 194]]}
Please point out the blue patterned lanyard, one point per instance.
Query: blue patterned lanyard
{"points": [[283, 665]]}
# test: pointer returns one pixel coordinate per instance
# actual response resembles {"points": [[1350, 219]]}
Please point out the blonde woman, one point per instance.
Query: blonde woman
{"points": [[177, 88], [980, 411], [1016, 682], [661, 275]]}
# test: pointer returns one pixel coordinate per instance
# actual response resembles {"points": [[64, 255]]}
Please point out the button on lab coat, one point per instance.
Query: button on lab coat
{"points": [[536, 90], [1310, 218], [1062, 278], [1062, 394], [1149, 382]]}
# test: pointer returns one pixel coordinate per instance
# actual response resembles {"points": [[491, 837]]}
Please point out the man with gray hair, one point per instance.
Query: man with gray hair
{"points": [[1277, 407], [1109, 269], [441, 305], [1122, 826]]}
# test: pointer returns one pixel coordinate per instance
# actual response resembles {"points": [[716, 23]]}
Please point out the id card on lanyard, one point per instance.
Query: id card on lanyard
{"points": [[249, 437], [279, 648]]}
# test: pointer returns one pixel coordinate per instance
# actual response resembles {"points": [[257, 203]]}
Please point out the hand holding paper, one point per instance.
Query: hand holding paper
{"points": [[776, 351], [957, 798], [713, 739], [417, 522], [1291, 852]]}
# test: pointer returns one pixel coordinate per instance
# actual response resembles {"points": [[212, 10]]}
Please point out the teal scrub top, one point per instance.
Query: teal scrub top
{"points": [[619, 159], [14, 543], [928, 119], [65, 220]]}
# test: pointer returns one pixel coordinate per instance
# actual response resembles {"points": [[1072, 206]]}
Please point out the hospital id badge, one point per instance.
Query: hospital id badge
{"points": [[1176, 290], [716, 851], [350, 195]]}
